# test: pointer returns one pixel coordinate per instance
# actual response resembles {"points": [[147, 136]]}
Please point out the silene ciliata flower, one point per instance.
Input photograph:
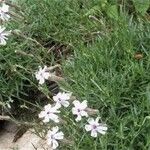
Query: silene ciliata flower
{"points": [[53, 136], [95, 127], [62, 98], [79, 109], [42, 74], [50, 113]]}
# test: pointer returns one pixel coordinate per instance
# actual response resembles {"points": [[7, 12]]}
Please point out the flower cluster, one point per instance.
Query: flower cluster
{"points": [[79, 109], [50, 114], [4, 17], [62, 99]]}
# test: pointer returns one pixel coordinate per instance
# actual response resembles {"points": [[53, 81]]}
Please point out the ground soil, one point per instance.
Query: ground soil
{"points": [[29, 141]]}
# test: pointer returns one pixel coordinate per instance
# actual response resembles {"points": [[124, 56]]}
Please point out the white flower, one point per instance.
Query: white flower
{"points": [[3, 35], [62, 98], [52, 137], [50, 112], [4, 12], [79, 109], [95, 127], [42, 74]]}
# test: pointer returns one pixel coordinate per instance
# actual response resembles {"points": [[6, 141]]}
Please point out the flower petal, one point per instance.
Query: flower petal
{"points": [[59, 136], [84, 113], [97, 119], [46, 75], [54, 144], [91, 121], [57, 106], [55, 130], [74, 111], [37, 75], [94, 133], [47, 107], [2, 29], [49, 141], [65, 103], [5, 8], [42, 114], [55, 98], [46, 119], [78, 118], [76, 103], [2, 41], [54, 117], [84, 104], [88, 127], [41, 80], [102, 129]]}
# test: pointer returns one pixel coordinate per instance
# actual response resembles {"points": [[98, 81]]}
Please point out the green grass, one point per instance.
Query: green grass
{"points": [[112, 80], [101, 68]]}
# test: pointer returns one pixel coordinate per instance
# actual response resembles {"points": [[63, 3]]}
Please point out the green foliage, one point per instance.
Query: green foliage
{"points": [[102, 70], [107, 74], [112, 11], [141, 6]]}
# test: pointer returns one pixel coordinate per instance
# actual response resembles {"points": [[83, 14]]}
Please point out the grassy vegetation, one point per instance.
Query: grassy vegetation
{"points": [[107, 74], [108, 65]]}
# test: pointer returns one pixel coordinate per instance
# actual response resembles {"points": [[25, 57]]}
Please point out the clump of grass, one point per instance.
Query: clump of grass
{"points": [[22, 55], [20, 59], [107, 74]]}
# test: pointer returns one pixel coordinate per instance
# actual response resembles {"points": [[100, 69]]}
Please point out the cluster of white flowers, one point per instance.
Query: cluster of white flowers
{"points": [[79, 109], [50, 113], [62, 99], [4, 16]]}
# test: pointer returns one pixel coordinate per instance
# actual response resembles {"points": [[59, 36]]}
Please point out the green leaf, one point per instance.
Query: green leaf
{"points": [[97, 8], [93, 10], [112, 11], [141, 6]]}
